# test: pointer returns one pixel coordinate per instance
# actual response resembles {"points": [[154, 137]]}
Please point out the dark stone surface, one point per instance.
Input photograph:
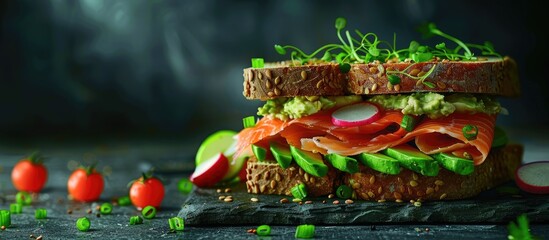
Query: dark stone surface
{"points": [[127, 159], [203, 206]]}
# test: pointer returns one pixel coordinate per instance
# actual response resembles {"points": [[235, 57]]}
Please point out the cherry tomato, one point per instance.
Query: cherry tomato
{"points": [[85, 185], [145, 191], [29, 174]]}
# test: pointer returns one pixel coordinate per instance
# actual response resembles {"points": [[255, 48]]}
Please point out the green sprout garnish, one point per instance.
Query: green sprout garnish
{"points": [[520, 229], [368, 47], [365, 48]]}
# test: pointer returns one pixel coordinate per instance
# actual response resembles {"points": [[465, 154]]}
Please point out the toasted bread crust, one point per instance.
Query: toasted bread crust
{"points": [[371, 185], [493, 76]]}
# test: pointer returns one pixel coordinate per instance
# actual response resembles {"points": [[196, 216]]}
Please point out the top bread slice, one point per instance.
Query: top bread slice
{"points": [[490, 75]]}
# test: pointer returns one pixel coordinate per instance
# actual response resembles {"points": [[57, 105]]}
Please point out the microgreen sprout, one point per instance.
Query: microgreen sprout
{"points": [[520, 229]]}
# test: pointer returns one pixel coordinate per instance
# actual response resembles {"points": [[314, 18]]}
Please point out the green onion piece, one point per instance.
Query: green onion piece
{"points": [[16, 208], [263, 230], [393, 79], [299, 191], [106, 208], [83, 224], [248, 121], [176, 224], [258, 63], [408, 123], [124, 201], [149, 212], [23, 198], [344, 191], [185, 186], [134, 220], [344, 67], [5, 218], [40, 213], [470, 132], [305, 231], [259, 152]]}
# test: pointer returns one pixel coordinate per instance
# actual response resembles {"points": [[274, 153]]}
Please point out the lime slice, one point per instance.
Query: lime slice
{"points": [[214, 144]]}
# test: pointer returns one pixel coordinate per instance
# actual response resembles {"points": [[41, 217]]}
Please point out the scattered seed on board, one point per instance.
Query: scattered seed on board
{"points": [[308, 202], [227, 190], [336, 202], [284, 200], [228, 199], [218, 190], [349, 201], [254, 200], [331, 196]]}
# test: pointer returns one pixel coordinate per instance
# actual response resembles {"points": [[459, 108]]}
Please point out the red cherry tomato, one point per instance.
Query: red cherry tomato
{"points": [[147, 191], [85, 185], [29, 174]]}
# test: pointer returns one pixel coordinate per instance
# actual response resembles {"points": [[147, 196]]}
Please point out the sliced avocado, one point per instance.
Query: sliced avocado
{"points": [[500, 137], [282, 154], [380, 163], [413, 159], [311, 163], [259, 152], [345, 164], [455, 164]]}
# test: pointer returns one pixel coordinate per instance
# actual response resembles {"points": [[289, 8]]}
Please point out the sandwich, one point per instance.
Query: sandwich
{"points": [[362, 119]]}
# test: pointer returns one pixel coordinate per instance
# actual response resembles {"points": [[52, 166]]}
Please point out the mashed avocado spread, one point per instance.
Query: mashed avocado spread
{"points": [[433, 105]]}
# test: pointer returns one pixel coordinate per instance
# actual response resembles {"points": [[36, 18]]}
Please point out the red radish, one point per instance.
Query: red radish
{"points": [[533, 177], [242, 174], [211, 171], [356, 114]]}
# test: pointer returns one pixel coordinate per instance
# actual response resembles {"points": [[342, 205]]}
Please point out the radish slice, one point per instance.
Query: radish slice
{"points": [[533, 177], [356, 114], [210, 171]]}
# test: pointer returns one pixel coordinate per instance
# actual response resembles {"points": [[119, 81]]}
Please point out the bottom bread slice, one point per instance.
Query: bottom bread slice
{"points": [[368, 184]]}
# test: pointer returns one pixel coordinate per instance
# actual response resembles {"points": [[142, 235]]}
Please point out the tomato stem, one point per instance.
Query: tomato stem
{"points": [[36, 158]]}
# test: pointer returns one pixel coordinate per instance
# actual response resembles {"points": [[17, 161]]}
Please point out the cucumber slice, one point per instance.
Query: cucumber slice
{"points": [[311, 163], [282, 154], [259, 152], [345, 164], [413, 159], [455, 164], [380, 163]]}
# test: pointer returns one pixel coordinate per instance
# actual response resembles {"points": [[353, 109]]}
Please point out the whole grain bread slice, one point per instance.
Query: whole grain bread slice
{"points": [[494, 76], [368, 184]]}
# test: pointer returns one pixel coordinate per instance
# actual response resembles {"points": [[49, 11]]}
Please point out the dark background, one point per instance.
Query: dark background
{"points": [[174, 68]]}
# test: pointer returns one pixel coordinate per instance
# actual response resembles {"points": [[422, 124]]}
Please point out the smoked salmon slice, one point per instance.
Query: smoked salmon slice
{"points": [[317, 133]]}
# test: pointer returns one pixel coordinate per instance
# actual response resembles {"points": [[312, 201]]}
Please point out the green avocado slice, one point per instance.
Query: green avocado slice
{"points": [[311, 163], [345, 164], [281, 153], [380, 163], [455, 164], [413, 159]]}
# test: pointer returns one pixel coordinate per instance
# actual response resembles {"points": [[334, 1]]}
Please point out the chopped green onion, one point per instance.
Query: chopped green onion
{"points": [[258, 63], [41, 213], [248, 121], [83, 224], [23, 198], [344, 67], [344, 191], [470, 132], [263, 230], [5, 218], [106, 208], [408, 123], [393, 79], [124, 201], [16, 208], [134, 220], [149, 212], [176, 224], [259, 152], [185, 186], [299, 191], [305, 231]]}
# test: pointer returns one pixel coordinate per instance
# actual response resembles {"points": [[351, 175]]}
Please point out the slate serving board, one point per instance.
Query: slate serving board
{"points": [[203, 207]]}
